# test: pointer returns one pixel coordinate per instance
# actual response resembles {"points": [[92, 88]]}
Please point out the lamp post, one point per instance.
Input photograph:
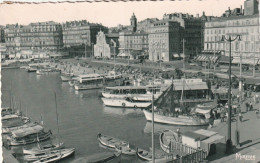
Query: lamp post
{"points": [[229, 141], [92, 55]]}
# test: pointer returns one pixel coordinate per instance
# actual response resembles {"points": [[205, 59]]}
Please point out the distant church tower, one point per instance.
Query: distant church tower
{"points": [[133, 22]]}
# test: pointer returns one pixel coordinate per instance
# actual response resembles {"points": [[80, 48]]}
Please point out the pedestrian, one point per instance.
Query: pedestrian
{"points": [[222, 115], [227, 116], [251, 106], [240, 116], [247, 106]]}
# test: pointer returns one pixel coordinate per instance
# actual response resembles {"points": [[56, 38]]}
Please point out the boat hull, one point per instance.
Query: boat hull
{"points": [[140, 97], [56, 157], [36, 151], [180, 120], [87, 87], [124, 103]]}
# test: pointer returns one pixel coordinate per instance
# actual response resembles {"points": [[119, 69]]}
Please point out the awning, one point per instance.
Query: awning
{"points": [[245, 61], [124, 55], [191, 86], [224, 59], [205, 132], [202, 111]]}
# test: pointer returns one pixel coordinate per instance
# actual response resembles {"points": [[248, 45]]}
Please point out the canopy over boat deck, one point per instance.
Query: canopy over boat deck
{"points": [[27, 131]]}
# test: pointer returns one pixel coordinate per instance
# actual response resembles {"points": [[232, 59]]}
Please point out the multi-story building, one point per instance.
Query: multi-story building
{"points": [[35, 36], [133, 42], [78, 33], [232, 24], [164, 40], [2, 34], [191, 32], [145, 24]]}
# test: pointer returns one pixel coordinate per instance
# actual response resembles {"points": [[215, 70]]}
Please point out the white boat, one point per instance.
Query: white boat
{"points": [[72, 83], [127, 102], [46, 71], [180, 120], [165, 140], [86, 78], [112, 75], [28, 135], [116, 144], [142, 93], [31, 69], [24, 67], [65, 78], [43, 148], [79, 87], [59, 155], [147, 156]]}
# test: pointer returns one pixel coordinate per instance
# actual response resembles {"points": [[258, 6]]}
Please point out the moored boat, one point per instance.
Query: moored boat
{"points": [[127, 102], [116, 144], [180, 120], [65, 78], [28, 135], [147, 156], [165, 140], [59, 155], [79, 87], [142, 93], [43, 148]]}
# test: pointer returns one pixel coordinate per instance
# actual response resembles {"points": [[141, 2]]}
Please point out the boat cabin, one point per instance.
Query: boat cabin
{"points": [[89, 77], [27, 133]]}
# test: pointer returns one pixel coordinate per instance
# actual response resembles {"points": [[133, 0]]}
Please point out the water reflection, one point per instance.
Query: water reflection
{"points": [[159, 128], [122, 111]]}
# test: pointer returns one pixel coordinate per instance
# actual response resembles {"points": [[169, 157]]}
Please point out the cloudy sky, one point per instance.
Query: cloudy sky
{"points": [[109, 13]]}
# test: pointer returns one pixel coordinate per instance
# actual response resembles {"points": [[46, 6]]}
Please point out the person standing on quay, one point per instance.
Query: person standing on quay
{"points": [[240, 116]]}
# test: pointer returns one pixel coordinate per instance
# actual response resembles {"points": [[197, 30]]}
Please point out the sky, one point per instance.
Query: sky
{"points": [[109, 14]]}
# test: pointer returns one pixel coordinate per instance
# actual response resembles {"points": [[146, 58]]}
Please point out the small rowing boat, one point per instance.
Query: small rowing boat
{"points": [[41, 149], [115, 144], [147, 156], [53, 157]]}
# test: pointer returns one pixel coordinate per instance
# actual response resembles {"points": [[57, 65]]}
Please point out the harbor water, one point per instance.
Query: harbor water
{"points": [[81, 115]]}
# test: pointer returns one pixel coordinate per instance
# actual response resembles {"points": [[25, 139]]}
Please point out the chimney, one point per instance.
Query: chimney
{"points": [[198, 15], [241, 10]]}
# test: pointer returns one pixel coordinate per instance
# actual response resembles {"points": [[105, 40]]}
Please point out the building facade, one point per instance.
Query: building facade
{"points": [[133, 42], [2, 34], [164, 40], [145, 24], [35, 36], [246, 25], [191, 32], [78, 33], [102, 47]]}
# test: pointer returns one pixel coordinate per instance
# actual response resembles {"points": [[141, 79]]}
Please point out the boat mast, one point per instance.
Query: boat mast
{"points": [[57, 117], [153, 152], [172, 99]]}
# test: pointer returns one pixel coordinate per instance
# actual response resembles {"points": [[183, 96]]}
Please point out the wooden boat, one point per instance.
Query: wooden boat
{"points": [[45, 148], [147, 156], [165, 140], [127, 102], [56, 156], [72, 83], [125, 150], [180, 120], [116, 144], [28, 135], [106, 157]]}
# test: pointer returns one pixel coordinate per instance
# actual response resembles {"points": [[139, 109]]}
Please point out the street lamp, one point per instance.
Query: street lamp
{"points": [[229, 141]]}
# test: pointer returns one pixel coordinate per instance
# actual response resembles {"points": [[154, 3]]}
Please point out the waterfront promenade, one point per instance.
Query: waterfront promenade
{"points": [[249, 136]]}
